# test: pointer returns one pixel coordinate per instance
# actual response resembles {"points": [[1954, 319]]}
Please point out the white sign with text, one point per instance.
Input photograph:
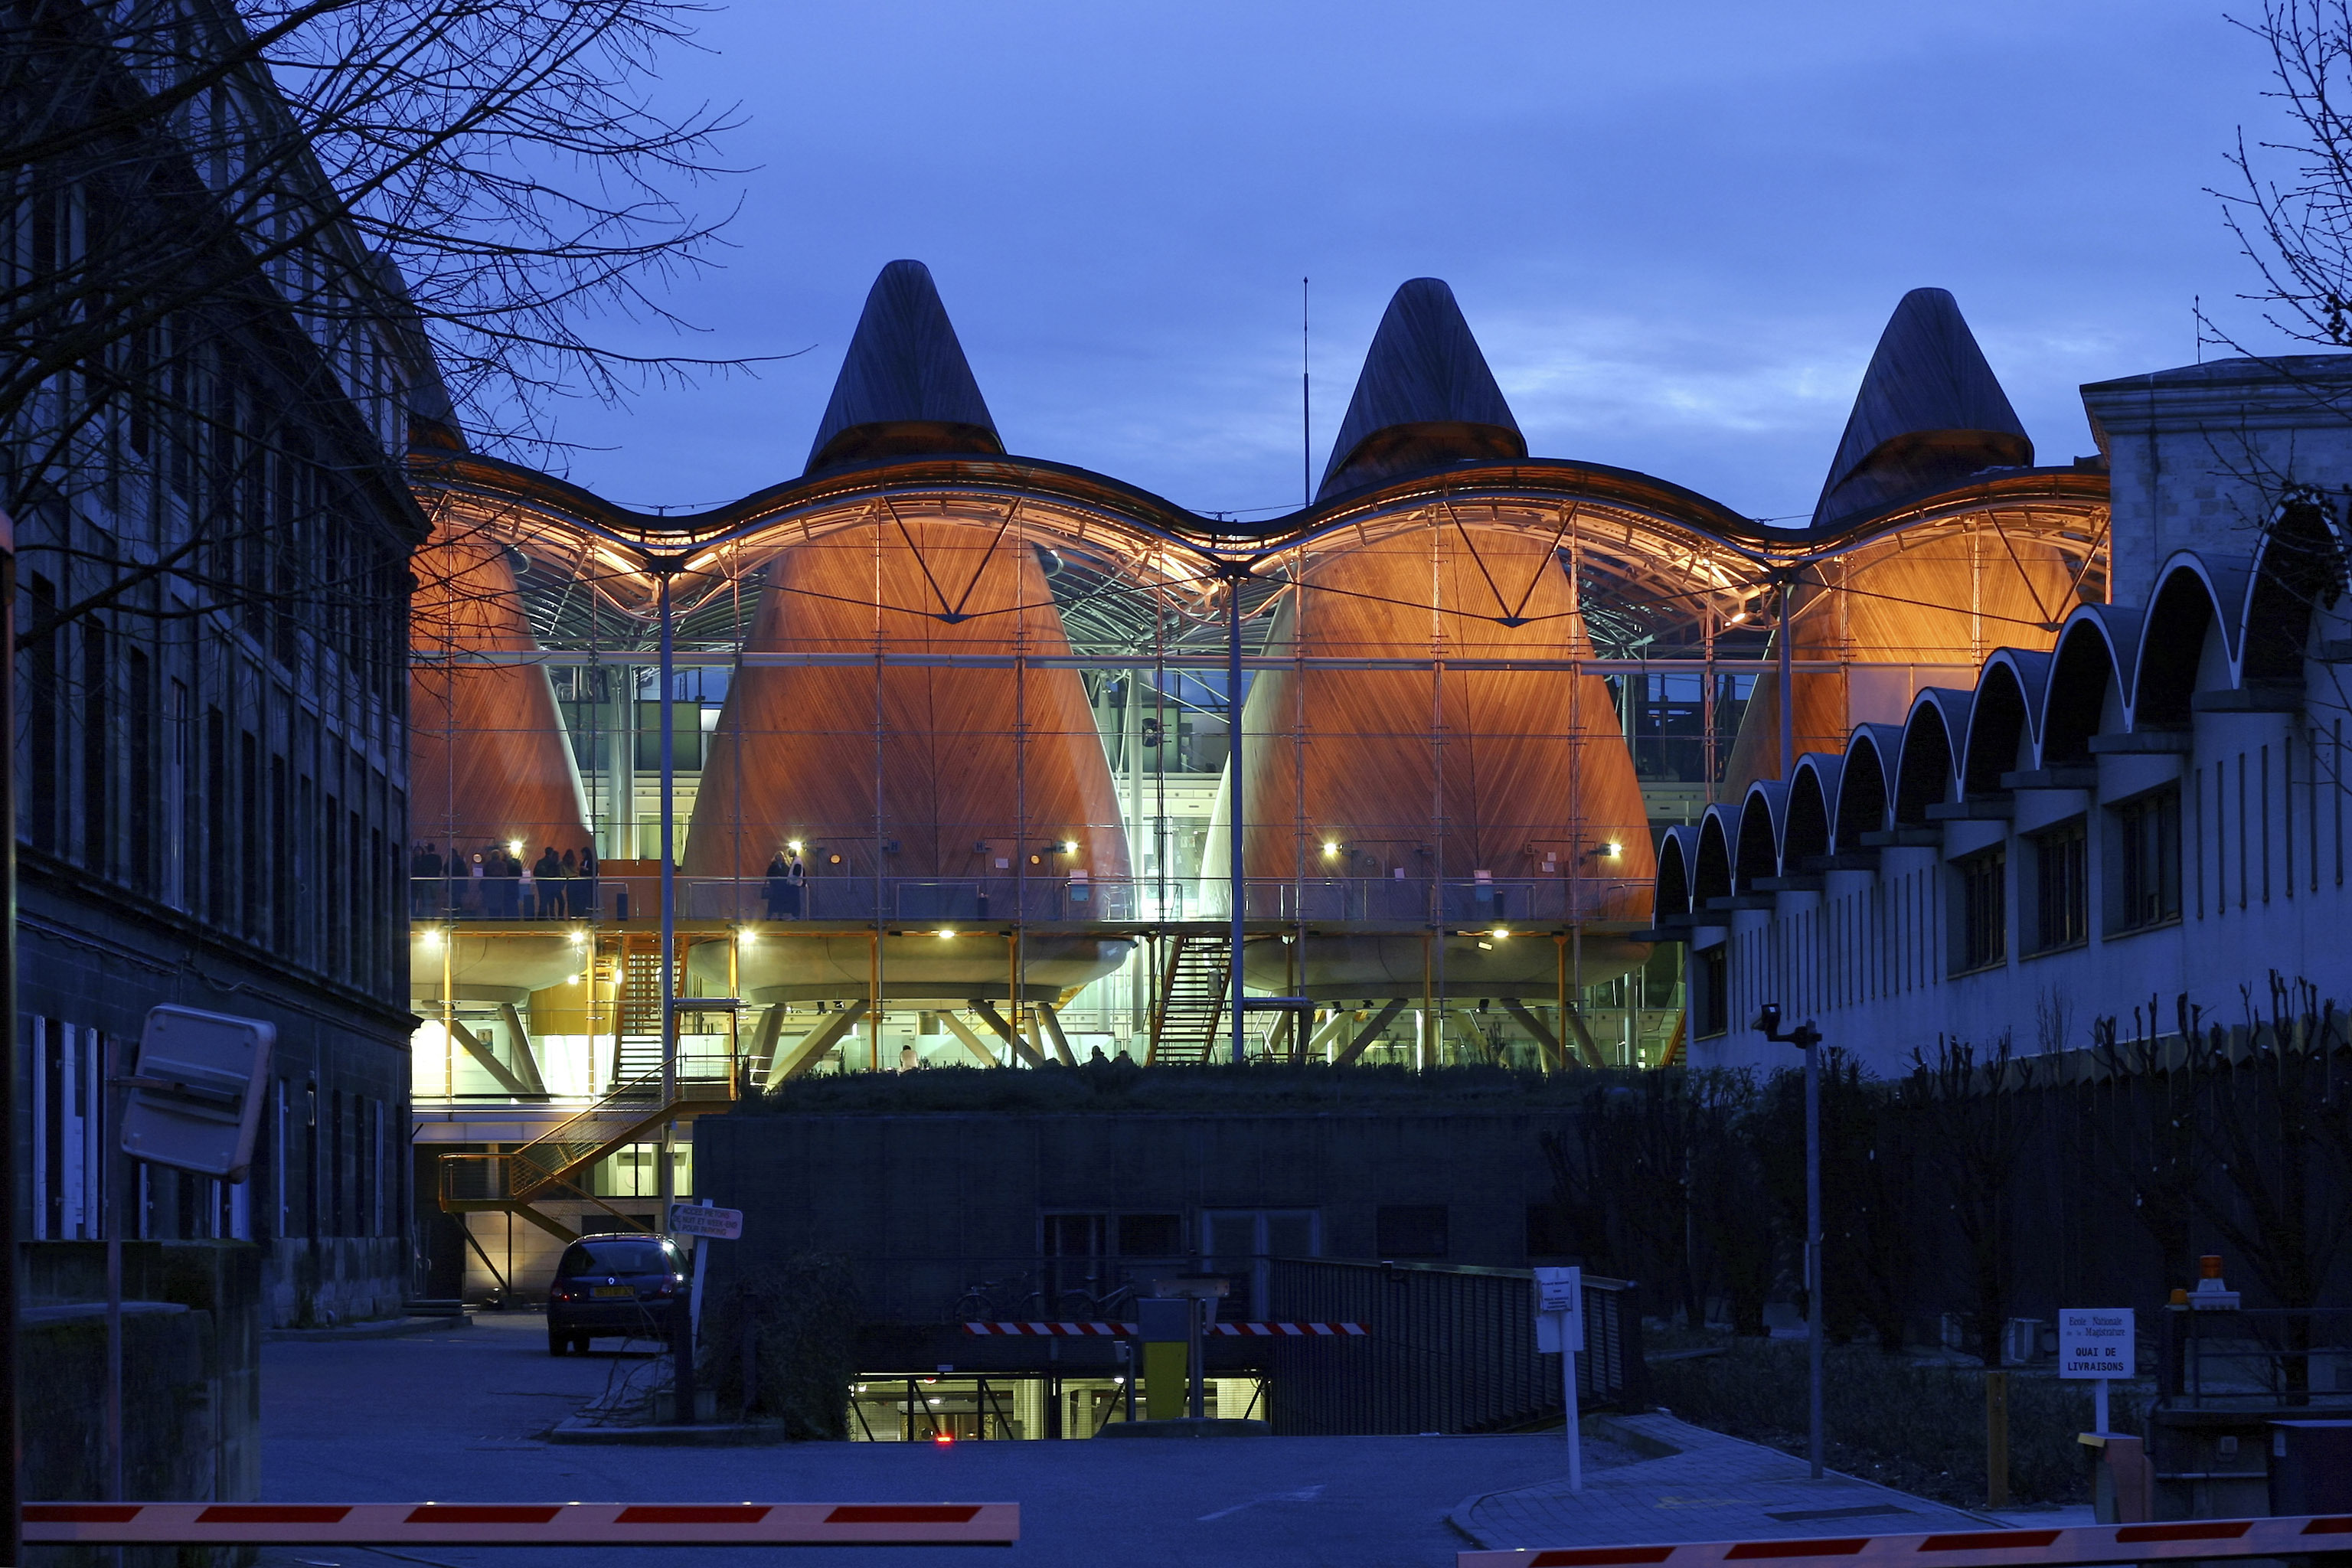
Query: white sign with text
{"points": [[702, 1220], [2095, 1342], [1559, 1327]]}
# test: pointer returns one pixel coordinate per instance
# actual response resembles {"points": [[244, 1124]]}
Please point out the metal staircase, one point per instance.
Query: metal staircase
{"points": [[556, 1163], [1193, 995], [637, 1057]]}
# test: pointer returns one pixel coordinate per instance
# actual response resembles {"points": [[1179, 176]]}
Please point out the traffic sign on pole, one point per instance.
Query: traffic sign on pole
{"points": [[1559, 1330], [702, 1220]]}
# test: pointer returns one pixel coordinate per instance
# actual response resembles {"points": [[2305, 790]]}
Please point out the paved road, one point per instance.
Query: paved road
{"points": [[1715, 1488], [458, 1417]]}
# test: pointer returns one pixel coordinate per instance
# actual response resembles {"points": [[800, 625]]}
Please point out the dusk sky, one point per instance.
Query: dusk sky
{"points": [[1676, 230]]}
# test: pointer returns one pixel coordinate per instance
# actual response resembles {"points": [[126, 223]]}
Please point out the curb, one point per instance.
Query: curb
{"points": [[1649, 1435], [711, 1435], [1188, 1426], [1617, 1429], [381, 1328]]}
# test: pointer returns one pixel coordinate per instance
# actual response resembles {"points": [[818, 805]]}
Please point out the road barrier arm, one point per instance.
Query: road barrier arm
{"points": [[2188, 1539], [523, 1524]]}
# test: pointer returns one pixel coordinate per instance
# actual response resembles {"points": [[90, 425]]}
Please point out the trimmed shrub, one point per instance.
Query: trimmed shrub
{"points": [[802, 1319]]}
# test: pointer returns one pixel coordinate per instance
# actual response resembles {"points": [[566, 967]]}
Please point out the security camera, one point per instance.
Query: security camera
{"points": [[1767, 1018]]}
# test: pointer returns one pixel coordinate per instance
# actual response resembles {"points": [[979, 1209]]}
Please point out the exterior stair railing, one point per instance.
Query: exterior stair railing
{"points": [[554, 1164]]}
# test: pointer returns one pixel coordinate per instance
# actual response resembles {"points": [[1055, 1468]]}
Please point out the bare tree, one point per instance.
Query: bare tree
{"points": [[2143, 1113], [1977, 1120], [235, 226], [2277, 1124], [2295, 224]]}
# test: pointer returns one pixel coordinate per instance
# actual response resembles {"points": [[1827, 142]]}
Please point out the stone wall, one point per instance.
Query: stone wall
{"points": [[925, 1204], [2198, 455], [192, 1378]]}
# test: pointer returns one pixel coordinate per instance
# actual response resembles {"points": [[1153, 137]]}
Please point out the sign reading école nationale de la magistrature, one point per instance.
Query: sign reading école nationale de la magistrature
{"points": [[2095, 1342]]}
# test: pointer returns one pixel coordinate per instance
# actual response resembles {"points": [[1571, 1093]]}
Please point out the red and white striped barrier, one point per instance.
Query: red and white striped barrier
{"points": [[2090, 1543], [523, 1524], [1292, 1330], [1083, 1331]]}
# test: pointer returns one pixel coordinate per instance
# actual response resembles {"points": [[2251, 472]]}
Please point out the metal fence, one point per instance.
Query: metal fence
{"points": [[1450, 1349]]}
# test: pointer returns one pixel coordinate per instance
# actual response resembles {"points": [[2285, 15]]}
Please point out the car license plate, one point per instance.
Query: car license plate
{"points": [[608, 1291]]}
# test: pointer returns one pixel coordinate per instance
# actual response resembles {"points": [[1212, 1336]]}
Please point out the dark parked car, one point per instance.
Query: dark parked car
{"points": [[615, 1286]]}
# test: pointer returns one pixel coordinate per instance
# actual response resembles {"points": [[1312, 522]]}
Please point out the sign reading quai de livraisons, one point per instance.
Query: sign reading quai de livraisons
{"points": [[2095, 1342]]}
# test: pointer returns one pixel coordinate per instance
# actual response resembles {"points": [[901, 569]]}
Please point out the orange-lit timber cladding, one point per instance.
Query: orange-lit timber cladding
{"points": [[488, 769], [1430, 710], [981, 781], [1362, 786]]}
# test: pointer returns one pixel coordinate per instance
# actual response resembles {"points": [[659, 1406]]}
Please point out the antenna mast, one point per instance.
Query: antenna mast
{"points": [[1306, 408]]}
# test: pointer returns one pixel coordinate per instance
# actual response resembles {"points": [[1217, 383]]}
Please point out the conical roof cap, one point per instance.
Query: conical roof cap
{"points": [[905, 388], [1930, 414], [1424, 398]]}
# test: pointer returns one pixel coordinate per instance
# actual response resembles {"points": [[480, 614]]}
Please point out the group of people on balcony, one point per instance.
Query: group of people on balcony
{"points": [[494, 883]]}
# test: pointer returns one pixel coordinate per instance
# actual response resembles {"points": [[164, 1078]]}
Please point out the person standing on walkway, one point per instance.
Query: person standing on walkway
{"points": [[547, 872], [795, 881], [779, 886]]}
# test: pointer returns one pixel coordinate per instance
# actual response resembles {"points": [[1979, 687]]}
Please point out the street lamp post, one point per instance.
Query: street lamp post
{"points": [[1807, 1039]]}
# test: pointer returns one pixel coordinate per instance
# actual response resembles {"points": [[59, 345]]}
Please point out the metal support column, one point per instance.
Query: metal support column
{"points": [[1234, 793], [1788, 683], [682, 1334]]}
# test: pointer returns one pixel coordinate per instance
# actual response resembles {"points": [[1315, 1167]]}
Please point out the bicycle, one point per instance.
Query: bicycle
{"points": [[1080, 1305], [1010, 1301]]}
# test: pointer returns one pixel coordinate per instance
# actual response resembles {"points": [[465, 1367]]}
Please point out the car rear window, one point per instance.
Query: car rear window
{"points": [[615, 1257]]}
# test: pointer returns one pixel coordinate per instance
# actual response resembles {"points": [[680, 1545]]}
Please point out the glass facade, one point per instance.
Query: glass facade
{"points": [[951, 774]]}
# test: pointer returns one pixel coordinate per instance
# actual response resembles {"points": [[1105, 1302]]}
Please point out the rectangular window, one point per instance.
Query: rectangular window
{"points": [[2242, 814], [249, 843], [376, 1175], [282, 859], [179, 803], [1983, 879], [279, 1146], [2147, 860], [1710, 992], [2062, 902], [139, 800], [97, 761], [217, 817], [2263, 779], [41, 723]]}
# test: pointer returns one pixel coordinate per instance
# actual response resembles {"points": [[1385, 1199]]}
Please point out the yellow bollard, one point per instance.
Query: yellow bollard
{"points": [[1165, 1376], [1996, 1439], [1164, 1325]]}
